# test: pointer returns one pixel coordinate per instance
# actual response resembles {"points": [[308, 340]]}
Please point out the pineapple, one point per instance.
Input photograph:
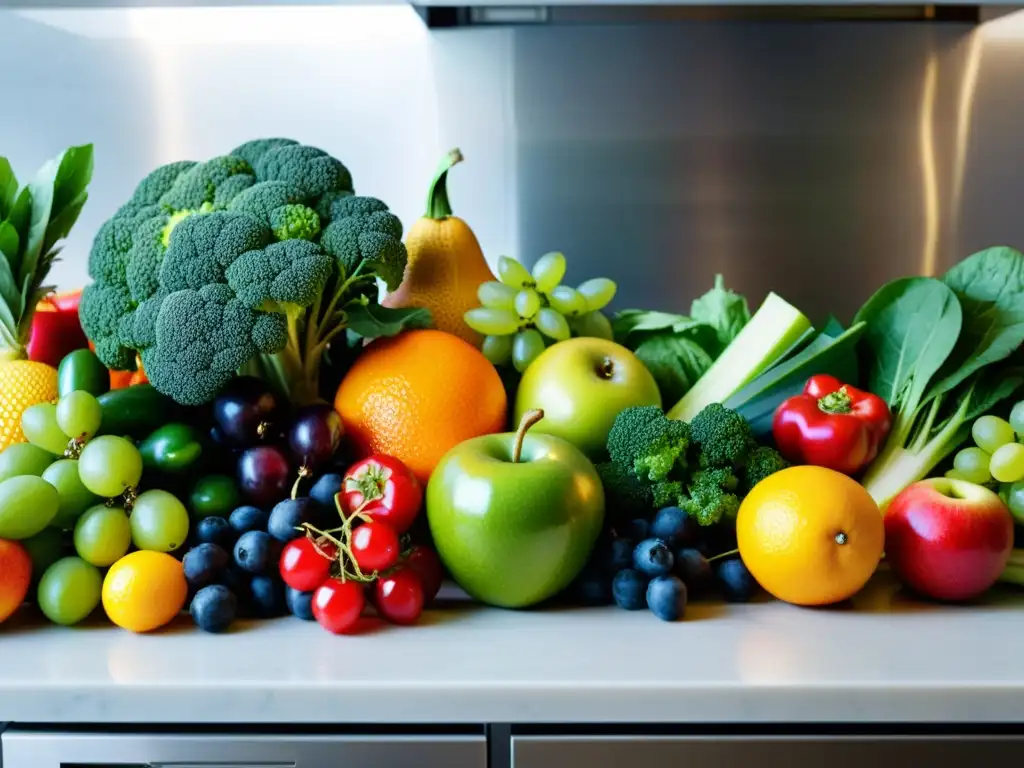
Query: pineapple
{"points": [[33, 219]]}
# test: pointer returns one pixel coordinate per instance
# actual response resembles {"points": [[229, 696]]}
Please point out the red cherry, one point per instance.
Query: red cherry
{"points": [[337, 605], [375, 546], [303, 567], [427, 565], [399, 596]]}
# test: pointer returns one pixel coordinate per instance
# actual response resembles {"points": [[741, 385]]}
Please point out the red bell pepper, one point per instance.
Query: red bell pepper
{"points": [[832, 425], [56, 330]]}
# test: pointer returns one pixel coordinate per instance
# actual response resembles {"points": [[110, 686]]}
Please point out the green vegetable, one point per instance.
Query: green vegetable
{"points": [[625, 494], [941, 353], [213, 495], [712, 496], [82, 370], [723, 437], [761, 462], [645, 443], [723, 310], [135, 410], [252, 261], [173, 448], [771, 332]]}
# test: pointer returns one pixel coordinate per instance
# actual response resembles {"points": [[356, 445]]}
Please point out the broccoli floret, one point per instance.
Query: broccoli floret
{"points": [[295, 222], [145, 257], [762, 462], [230, 189], [137, 329], [199, 184], [293, 272], [711, 498], [203, 247], [253, 150], [721, 437], [202, 338], [364, 233], [310, 170], [667, 494], [643, 440], [325, 205], [624, 494], [159, 183], [264, 198], [100, 311]]}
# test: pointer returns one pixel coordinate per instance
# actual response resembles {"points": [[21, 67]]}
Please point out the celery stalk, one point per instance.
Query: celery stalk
{"points": [[773, 329]]}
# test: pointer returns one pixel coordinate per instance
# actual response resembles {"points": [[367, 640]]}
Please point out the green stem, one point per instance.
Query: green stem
{"points": [[720, 555], [438, 206], [925, 428]]}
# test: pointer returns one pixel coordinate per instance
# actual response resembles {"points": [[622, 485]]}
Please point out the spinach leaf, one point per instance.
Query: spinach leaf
{"points": [[371, 321], [629, 321], [675, 362], [912, 325], [727, 312]]}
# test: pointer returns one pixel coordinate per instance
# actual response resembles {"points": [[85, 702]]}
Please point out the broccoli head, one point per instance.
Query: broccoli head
{"points": [[643, 440], [363, 233], [625, 495], [203, 247], [310, 170], [198, 185], [295, 222], [721, 437], [712, 496], [101, 310], [264, 198], [158, 183], [253, 150], [290, 273], [762, 462], [668, 493]]}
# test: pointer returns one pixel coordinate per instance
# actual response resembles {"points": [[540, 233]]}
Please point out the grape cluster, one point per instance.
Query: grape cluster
{"points": [[524, 311], [997, 456], [660, 564]]}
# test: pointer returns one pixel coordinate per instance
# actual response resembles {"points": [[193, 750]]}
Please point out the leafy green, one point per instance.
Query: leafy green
{"points": [[371, 321], [727, 312], [675, 362]]}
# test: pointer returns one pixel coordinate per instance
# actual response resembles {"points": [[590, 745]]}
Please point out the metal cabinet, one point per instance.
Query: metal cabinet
{"points": [[23, 748], [765, 752]]}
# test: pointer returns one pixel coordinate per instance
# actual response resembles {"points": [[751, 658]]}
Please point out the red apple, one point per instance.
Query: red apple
{"points": [[948, 539]]}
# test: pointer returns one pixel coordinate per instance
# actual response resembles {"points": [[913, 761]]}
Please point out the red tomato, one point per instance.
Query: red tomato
{"points": [[399, 596], [303, 567], [425, 563], [375, 546], [391, 492], [337, 605]]}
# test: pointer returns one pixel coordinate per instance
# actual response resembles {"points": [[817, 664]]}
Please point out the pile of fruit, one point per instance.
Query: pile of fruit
{"points": [[270, 400]]}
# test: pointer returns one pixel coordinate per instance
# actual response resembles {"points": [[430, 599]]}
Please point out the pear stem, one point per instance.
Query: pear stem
{"points": [[530, 418]]}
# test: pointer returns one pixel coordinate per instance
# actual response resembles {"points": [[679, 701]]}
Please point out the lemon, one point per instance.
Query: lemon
{"points": [[144, 591]]}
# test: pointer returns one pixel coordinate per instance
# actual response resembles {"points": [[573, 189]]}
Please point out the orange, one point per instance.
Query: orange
{"points": [[416, 395], [144, 590], [22, 383], [810, 535], [15, 576]]}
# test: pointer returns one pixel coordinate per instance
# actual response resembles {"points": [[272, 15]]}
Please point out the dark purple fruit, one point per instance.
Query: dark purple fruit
{"points": [[264, 475], [314, 435], [287, 517], [244, 412]]}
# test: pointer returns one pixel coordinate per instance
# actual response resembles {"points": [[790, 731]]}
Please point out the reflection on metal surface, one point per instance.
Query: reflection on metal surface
{"points": [[929, 184], [965, 111]]}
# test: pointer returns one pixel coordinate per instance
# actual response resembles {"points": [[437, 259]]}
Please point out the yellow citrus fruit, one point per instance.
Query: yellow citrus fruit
{"points": [[22, 383], [810, 535], [416, 395], [144, 590]]}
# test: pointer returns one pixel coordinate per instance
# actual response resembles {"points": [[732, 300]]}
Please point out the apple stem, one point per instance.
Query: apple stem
{"points": [[530, 418]]}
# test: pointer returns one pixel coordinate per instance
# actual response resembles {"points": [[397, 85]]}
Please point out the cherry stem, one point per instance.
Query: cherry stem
{"points": [[303, 474], [342, 541], [719, 556], [530, 418]]}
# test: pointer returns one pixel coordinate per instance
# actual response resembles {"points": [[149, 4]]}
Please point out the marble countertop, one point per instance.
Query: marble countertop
{"points": [[885, 658]]}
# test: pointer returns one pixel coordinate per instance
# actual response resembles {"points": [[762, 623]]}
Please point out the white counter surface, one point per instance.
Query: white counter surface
{"points": [[887, 658]]}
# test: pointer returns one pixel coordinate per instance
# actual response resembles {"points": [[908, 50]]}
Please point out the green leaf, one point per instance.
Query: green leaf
{"points": [[371, 321], [727, 312], [675, 362], [21, 213], [912, 326], [990, 288], [69, 195], [8, 188], [991, 388], [629, 321]]}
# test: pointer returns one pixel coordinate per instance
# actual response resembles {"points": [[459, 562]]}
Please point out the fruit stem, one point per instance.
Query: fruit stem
{"points": [[719, 556], [303, 474], [438, 206], [530, 418]]}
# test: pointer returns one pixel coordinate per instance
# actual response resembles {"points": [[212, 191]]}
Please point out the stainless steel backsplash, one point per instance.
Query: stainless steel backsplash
{"points": [[816, 159]]}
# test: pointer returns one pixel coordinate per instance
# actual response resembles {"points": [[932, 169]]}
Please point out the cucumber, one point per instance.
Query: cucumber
{"points": [[81, 369], [135, 411]]}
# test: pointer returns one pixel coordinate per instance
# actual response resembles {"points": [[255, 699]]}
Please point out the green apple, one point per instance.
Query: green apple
{"points": [[514, 516], [581, 385]]}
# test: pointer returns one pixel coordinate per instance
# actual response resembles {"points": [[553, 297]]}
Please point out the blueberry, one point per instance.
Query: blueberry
{"points": [[215, 530], [666, 597], [592, 587], [203, 564], [735, 581], [617, 555], [214, 608], [325, 488], [267, 597], [287, 517], [674, 527], [653, 557], [237, 580], [300, 604], [245, 519], [636, 530], [629, 588], [693, 568], [253, 552]]}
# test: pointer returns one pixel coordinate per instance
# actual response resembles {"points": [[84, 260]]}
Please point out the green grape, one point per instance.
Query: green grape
{"points": [[75, 498], [109, 466], [513, 274], [597, 292], [1007, 463], [39, 423], [954, 474], [69, 591], [159, 522], [103, 535], [495, 295], [497, 349], [526, 348], [552, 324], [79, 414], [568, 301], [44, 549], [23, 459], [593, 324], [972, 463], [549, 271], [527, 303], [492, 322], [1015, 500], [27, 505], [991, 432], [1017, 419]]}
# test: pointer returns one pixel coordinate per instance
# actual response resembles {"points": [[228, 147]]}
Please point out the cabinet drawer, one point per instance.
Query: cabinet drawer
{"points": [[764, 752], [56, 749]]}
